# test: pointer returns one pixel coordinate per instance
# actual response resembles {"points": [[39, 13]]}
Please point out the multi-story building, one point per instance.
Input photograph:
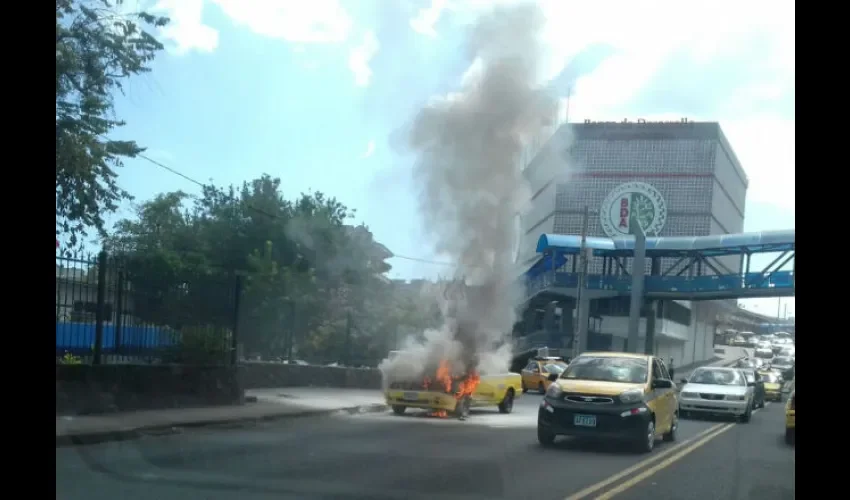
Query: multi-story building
{"points": [[682, 177]]}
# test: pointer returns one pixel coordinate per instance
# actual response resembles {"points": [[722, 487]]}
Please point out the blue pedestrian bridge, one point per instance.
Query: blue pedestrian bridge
{"points": [[684, 268]]}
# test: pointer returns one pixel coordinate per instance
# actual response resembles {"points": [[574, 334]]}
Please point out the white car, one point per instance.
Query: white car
{"points": [[788, 351], [763, 352], [781, 343], [717, 391]]}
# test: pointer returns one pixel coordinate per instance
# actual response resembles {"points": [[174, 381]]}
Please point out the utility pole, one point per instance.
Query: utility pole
{"points": [[638, 272], [580, 327]]}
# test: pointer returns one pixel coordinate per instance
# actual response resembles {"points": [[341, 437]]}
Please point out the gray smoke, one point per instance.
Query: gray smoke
{"points": [[469, 146]]}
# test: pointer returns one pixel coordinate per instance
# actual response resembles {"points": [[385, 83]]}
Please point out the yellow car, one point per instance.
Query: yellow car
{"points": [[772, 386], [535, 375], [492, 390], [790, 418], [611, 395]]}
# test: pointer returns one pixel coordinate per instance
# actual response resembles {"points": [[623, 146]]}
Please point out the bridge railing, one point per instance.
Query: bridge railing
{"points": [[668, 284]]}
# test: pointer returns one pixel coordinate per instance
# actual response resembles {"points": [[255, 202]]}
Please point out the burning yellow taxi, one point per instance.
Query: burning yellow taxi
{"points": [[455, 395]]}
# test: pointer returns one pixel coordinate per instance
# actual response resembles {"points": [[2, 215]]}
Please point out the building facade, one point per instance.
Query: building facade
{"points": [[681, 178]]}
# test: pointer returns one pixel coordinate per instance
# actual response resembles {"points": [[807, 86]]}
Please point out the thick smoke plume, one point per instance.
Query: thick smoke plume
{"points": [[469, 146]]}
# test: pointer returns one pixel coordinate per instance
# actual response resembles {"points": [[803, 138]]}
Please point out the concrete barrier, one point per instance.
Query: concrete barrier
{"points": [[92, 389]]}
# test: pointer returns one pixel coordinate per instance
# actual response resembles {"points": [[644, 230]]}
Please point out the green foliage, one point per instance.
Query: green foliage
{"points": [[200, 345], [97, 48], [310, 283], [70, 359]]}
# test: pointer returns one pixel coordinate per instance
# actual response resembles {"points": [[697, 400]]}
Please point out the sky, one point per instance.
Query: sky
{"points": [[316, 92]]}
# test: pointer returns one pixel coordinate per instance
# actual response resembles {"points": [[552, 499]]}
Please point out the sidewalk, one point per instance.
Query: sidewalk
{"points": [[269, 404]]}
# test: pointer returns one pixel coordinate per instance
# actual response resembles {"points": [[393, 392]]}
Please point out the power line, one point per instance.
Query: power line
{"points": [[425, 261], [273, 216]]}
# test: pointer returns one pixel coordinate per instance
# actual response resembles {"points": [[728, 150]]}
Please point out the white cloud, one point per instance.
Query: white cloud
{"points": [[370, 150], [358, 60], [425, 20], [313, 22], [186, 31]]}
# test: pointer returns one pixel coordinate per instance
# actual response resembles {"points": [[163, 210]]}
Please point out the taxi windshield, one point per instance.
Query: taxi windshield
{"points": [[607, 369], [717, 377], [554, 368], [770, 378]]}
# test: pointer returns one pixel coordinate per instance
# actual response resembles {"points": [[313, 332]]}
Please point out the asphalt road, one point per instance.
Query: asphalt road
{"points": [[490, 456]]}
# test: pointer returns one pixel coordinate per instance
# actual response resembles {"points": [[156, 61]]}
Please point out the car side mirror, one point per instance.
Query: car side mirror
{"points": [[662, 384], [751, 384], [553, 377], [683, 381]]}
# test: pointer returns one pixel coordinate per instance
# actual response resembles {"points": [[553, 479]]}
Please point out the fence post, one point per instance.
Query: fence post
{"points": [[346, 352], [100, 311], [119, 310], [234, 339]]}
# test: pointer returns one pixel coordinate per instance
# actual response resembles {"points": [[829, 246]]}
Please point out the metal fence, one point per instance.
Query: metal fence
{"points": [[113, 309]]}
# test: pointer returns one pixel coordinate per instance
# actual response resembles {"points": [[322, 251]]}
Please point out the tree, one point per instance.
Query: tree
{"points": [[313, 286], [96, 50], [302, 268]]}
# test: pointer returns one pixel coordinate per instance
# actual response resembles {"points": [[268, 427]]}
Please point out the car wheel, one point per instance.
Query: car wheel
{"points": [[670, 436], [745, 418], [646, 442], [507, 404], [544, 437], [399, 409], [790, 435], [541, 388], [524, 388]]}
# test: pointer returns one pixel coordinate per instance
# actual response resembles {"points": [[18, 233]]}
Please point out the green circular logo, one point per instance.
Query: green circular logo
{"points": [[638, 198]]}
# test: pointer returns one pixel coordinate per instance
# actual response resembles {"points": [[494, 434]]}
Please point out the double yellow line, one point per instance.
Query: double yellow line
{"points": [[660, 461]]}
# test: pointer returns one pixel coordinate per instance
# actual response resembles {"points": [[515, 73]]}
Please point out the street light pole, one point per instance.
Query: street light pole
{"points": [[638, 272], [580, 327]]}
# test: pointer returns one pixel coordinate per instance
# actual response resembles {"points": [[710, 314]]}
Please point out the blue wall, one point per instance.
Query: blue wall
{"points": [[77, 337]]}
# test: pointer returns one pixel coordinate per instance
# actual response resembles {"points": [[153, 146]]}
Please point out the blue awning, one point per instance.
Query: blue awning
{"points": [[548, 262], [666, 246]]}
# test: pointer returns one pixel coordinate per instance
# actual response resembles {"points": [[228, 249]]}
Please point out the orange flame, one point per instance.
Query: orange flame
{"points": [[444, 376], [466, 384]]}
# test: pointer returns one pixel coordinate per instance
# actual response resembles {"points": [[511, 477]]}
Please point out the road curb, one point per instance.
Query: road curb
{"points": [[96, 437]]}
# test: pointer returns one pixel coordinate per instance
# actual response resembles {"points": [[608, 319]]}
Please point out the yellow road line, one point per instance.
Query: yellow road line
{"points": [[654, 458], [666, 463]]}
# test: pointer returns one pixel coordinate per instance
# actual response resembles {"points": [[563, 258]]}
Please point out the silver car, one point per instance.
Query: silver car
{"points": [[717, 391]]}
